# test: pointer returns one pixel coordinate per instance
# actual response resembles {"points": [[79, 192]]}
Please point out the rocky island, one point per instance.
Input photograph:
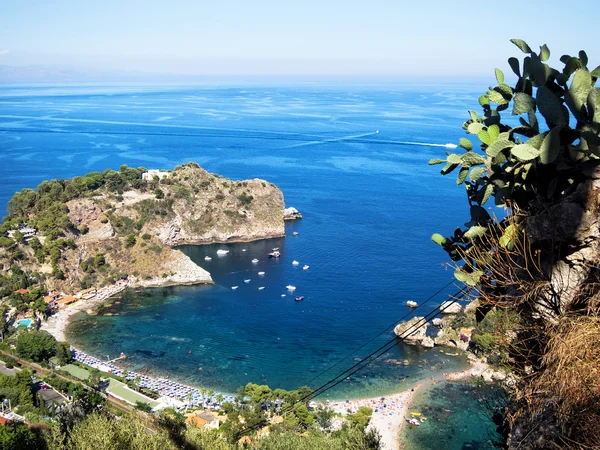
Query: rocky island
{"points": [[99, 228]]}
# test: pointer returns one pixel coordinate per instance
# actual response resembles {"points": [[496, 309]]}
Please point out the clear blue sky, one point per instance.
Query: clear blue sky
{"points": [[431, 38]]}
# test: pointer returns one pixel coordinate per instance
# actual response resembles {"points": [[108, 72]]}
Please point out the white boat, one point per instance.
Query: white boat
{"points": [[222, 252], [411, 304], [295, 263], [243, 249], [261, 288], [274, 254], [295, 233], [261, 274], [414, 422], [234, 287], [290, 288], [247, 281], [207, 258], [283, 295], [305, 267], [255, 260]]}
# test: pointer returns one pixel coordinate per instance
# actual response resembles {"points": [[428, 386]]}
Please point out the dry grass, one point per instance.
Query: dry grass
{"points": [[568, 387]]}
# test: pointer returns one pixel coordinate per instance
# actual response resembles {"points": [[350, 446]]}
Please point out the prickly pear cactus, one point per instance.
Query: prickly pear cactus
{"points": [[533, 165]]}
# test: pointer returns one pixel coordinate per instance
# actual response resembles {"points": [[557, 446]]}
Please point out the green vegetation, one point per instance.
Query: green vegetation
{"points": [[533, 269], [38, 346], [50, 197], [245, 199]]}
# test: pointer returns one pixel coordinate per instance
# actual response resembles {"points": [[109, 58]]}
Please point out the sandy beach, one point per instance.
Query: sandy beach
{"points": [[389, 413], [57, 323]]}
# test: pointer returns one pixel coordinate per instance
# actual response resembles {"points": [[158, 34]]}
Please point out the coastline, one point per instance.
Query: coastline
{"points": [[57, 324], [390, 411]]}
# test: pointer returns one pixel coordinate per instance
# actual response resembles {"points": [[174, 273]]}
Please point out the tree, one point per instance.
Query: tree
{"points": [[361, 418], [94, 378], [20, 437], [159, 194], [63, 353], [18, 236], [36, 346]]}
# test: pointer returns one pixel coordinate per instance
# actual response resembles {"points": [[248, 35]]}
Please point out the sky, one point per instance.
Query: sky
{"points": [[375, 38]]}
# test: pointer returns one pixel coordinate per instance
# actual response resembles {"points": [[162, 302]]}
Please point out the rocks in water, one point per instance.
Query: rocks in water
{"points": [[438, 322], [449, 307], [291, 214], [394, 362], [427, 342], [413, 331]]}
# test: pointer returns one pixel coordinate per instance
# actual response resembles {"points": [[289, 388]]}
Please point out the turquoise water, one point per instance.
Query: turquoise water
{"points": [[25, 322], [352, 159], [459, 417]]}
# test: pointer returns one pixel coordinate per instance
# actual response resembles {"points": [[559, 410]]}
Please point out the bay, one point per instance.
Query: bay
{"points": [[350, 158]]}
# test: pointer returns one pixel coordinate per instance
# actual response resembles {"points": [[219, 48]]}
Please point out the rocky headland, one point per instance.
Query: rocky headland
{"points": [[95, 229]]}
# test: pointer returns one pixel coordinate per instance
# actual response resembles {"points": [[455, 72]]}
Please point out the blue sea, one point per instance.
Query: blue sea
{"points": [[352, 158]]}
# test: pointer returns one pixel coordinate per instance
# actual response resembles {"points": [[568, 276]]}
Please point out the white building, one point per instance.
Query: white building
{"points": [[25, 230], [149, 176]]}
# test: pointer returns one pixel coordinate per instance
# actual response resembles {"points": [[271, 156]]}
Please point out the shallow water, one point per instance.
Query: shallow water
{"points": [[459, 417], [350, 158]]}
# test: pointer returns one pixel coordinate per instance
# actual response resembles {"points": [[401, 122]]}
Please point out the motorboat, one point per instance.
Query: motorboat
{"points": [[289, 287], [414, 422], [221, 252], [234, 287], [261, 274], [305, 267], [261, 288], [299, 298], [283, 295], [274, 254], [243, 249], [255, 260], [247, 281], [295, 233], [207, 258], [295, 263], [411, 304]]}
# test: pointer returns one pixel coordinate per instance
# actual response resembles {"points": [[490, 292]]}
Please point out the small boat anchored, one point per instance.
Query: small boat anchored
{"points": [[261, 274], [291, 288], [254, 261], [234, 287], [275, 253], [299, 298], [411, 304], [261, 288], [306, 267], [414, 422], [247, 280], [207, 258], [222, 252], [295, 263]]}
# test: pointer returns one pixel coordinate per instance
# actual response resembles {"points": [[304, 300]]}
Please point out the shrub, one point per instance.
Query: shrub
{"points": [[130, 240]]}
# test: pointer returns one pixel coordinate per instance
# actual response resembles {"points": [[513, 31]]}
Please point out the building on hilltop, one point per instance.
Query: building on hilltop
{"points": [[149, 176], [25, 230]]}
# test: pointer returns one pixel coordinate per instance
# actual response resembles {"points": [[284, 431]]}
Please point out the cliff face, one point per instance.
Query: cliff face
{"points": [[559, 405], [135, 231]]}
